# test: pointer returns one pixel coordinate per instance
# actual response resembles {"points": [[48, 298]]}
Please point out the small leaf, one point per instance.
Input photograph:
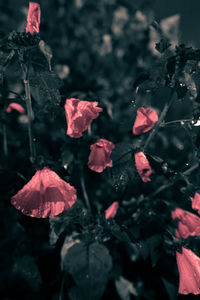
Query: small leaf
{"points": [[117, 232], [162, 45], [46, 50], [153, 244], [125, 288], [58, 224], [170, 289]]}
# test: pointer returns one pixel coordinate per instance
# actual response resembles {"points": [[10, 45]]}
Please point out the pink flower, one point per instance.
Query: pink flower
{"points": [[79, 115], [188, 224], [111, 210], [45, 195], [142, 166], [189, 272], [99, 157], [15, 106], [196, 202], [145, 120], [33, 19]]}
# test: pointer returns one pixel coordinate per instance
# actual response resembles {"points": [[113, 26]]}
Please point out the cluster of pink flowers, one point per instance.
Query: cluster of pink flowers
{"points": [[188, 262], [47, 195]]}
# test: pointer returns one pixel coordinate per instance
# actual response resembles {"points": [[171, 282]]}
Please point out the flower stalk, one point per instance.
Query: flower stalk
{"points": [[29, 112]]}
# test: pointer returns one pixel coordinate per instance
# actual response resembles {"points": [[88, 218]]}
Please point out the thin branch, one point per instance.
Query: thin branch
{"points": [[183, 175], [175, 121], [29, 111], [162, 116], [85, 195]]}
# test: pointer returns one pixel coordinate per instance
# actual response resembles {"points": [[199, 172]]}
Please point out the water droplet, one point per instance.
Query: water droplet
{"points": [[65, 166], [182, 122]]}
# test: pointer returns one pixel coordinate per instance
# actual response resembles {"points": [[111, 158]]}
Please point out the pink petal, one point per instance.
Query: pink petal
{"points": [[145, 120], [99, 157], [15, 106], [189, 272], [45, 195], [196, 202], [142, 166], [189, 224], [79, 115], [111, 210], [33, 19]]}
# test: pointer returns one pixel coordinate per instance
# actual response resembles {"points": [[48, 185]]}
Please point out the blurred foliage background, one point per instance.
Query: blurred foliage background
{"points": [[99, 48]]}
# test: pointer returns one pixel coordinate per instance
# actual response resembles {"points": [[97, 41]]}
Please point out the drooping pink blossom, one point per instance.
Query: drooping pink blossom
{"points": [[145, 120], [45, 195], [33, 18], [196, 202], [79, 115], [188, 225], [189, 272], [99, 157], [143, 167], [15, 106], [111, 210]]}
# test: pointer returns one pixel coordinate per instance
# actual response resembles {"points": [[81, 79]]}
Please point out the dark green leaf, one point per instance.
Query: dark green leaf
{"points": [[170, 289], [89, 266], [44, 86], [26, 268]]}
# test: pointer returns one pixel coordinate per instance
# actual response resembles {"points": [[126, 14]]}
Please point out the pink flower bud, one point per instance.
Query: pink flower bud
{"points": [[33, 19], [196, 202], [188, 225], [79, 115], [99, 157], [111, 210], [145, 120], [15, 106], [142, 166]]}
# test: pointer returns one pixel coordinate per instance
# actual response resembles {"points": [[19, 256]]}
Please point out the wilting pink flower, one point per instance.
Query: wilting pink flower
{"points": [[99, 157], [188, 224], [15, 106], [145, 120], [142, 166], [33, 19], [111, 210], [196, 202], [189, 272], [79, 115], [45, 195]]}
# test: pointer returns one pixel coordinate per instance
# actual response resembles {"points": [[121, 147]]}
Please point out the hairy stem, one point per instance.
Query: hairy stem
{"points": [[29, 111], [162, 116], [85, 195]]}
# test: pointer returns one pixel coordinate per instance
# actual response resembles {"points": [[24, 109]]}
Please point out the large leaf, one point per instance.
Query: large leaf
{"points": [[44, 86], [90, 266]]}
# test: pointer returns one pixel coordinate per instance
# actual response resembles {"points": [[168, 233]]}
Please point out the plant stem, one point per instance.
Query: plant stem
{"points": [[85, 195], [5, 143], [183, 175], [162, 116], [29, 111], [176, 121]]}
